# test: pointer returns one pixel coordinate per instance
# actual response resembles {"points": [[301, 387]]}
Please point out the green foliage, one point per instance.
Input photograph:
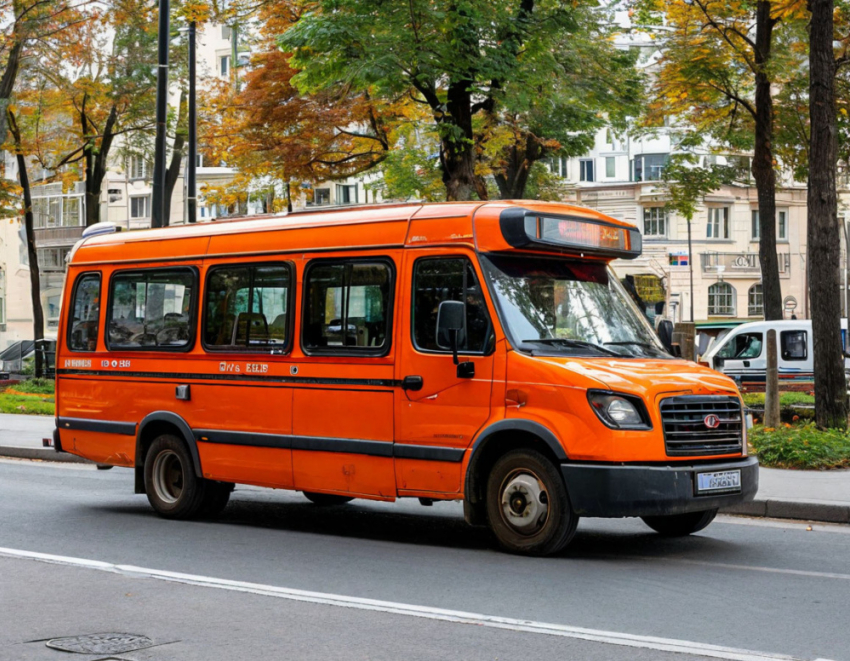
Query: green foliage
{"points": [[801, 446], [545, 74], [789, 399], [543, 184], [26, 404], [687, 183], [36, 386]]}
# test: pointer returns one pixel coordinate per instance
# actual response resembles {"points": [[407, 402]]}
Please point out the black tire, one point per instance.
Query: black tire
{"points": [[216, 497], [552, 523], [173, 489], [326, 499], [680, 525]]}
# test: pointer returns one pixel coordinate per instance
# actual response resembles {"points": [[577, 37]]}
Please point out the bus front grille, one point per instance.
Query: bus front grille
{"points": [[702, 425]]}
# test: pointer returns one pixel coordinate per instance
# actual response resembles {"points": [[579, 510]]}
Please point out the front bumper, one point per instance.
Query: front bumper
{"points": [[606, 490]]}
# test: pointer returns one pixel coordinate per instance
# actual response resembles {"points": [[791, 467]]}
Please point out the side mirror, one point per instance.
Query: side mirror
{"points": [[450, 325], [665, 334], [451, 333]]}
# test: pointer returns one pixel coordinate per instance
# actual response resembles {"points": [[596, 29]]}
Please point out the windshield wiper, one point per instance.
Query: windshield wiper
{"points": [[572, 343]]}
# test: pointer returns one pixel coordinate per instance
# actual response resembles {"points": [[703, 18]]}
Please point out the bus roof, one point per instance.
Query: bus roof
{"points": [[338, 228]]}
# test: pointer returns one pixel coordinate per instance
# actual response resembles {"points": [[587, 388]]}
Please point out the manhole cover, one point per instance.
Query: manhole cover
{"points": [[101, 643]]}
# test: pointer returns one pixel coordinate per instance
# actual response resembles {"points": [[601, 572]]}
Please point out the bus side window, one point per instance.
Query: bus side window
{"points": [[348, 307], [151, 309], [247, 307], [448, 279], [794, 345], [85, 313]]}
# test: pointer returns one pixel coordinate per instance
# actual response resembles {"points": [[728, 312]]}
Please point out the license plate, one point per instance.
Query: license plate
{"points": [[720, 481]]}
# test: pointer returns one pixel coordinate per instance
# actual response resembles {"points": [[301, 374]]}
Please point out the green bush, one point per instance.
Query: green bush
{"points": [[801, 446], [786, 399], [36, 386]]}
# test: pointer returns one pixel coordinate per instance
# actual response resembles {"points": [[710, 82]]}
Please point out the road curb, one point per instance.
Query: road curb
{"points": [[806, 510], [45, 454]]}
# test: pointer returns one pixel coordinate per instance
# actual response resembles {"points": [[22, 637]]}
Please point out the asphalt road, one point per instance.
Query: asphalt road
{"points": [[775, 588]]}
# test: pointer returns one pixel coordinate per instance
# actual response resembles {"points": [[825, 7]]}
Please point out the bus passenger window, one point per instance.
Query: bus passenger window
{"points": [[448, 279], [151, 309], [84, 323], [347, 308], [247, 308]]}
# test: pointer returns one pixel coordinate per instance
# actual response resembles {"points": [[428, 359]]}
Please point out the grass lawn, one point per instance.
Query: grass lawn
{"points": [[32, 397], [801, 446]]}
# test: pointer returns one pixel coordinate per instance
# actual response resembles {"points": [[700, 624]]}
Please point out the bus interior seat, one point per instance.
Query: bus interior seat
{"points": [[255, 321]]}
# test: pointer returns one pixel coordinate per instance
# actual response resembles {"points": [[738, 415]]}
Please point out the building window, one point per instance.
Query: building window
{"points": [[52, 259], [781, 225], [51, 308], [721, 300], [224, 65], [140, 206], [586, 170], [226, 32], [346, 193], [648, 167], [755, 302], [151, 309], [610, 167], [247, 308], [139, 168], [558, 166], [718, 223], [347, 309], [321, 196], [654, 221]]}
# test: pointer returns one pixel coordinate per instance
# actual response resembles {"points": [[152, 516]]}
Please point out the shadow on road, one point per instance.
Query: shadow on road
{"points": [[442, 526]]}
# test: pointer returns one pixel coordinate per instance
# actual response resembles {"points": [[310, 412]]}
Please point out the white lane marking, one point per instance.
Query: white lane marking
{"points": [[770, 570], [46, 463], [427, 612]]}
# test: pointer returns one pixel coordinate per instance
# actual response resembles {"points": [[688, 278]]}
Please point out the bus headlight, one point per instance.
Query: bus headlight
{"points": [[619, 411]]}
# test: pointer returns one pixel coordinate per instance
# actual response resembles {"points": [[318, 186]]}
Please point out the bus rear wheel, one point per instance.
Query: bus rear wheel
{"points": [[527, 505], [680, 525], [326, 499], [173, 489]]}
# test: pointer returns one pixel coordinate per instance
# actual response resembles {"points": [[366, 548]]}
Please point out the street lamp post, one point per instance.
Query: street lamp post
{"points": [[192, 157], [159, 214]]}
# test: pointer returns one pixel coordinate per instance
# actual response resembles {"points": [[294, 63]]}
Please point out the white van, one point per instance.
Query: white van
{"points": [[741, 353]]}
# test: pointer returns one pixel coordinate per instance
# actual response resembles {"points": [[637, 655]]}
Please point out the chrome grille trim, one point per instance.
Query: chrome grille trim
{"points": [[685, 431]]}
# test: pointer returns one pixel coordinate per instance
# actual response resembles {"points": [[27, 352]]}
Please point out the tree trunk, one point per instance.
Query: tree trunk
{"points": [[513, 178], [763, 169], [823, 236], [96, 162], [457, 152], [32, 255], [7, 82], [173, 171]]}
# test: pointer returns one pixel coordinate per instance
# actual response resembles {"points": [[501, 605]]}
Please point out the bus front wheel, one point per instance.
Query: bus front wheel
{"points": [[680, 525], [173, 489], [527, 504]]}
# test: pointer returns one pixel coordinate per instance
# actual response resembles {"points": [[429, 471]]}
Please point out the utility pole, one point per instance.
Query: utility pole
{"points": [[191, 186], [159, 214]]}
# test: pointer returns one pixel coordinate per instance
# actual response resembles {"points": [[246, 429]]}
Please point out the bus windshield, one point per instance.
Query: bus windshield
{"points": [[563, 307]]}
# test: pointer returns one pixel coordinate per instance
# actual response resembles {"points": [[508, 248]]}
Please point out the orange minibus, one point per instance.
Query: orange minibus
{"points": [[477, 351]]}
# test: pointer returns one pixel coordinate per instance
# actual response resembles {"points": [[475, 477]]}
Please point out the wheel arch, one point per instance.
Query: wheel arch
{"points": [[493, 442], [153, 425]]}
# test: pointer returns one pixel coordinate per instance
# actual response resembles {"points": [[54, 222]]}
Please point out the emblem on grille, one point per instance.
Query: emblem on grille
{"points": [[712, 421]]}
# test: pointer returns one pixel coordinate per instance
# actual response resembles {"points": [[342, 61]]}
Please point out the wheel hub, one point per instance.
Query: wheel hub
{"points": [[525, 503], [168, 476]]}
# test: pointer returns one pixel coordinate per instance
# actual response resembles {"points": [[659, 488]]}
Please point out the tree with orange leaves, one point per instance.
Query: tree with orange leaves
{"points": [[720, 60]]}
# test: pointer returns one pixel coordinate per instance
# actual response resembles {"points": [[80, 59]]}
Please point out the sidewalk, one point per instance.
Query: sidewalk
{"points": [[783, 494]]}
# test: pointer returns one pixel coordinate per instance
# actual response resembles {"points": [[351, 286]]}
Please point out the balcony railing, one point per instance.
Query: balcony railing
{"points": [[49, 237], [741, 264]]}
